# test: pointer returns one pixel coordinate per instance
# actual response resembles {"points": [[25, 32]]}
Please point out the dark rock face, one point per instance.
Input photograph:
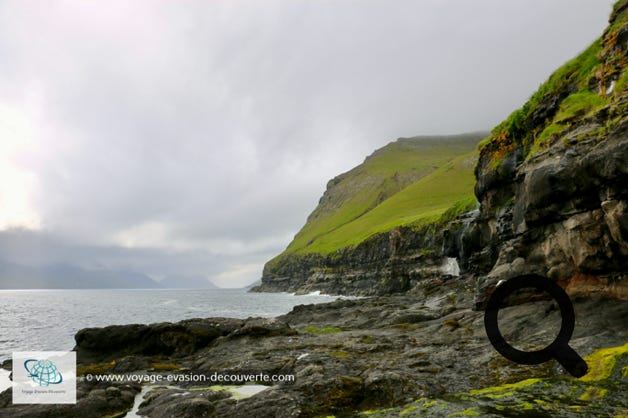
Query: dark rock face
{"points": [[560, 211], [178, 339], [386, 263], [101, 345], [566, 219]]}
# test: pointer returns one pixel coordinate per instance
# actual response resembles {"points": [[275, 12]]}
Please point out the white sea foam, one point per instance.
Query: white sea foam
{"points": [[4, 380]]}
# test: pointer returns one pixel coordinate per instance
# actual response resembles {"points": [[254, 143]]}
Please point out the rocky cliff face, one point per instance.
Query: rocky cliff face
{"points": [[378, 228], [391, 262], [552, 180]]}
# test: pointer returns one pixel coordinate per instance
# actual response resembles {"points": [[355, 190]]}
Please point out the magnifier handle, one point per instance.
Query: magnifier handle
{"points": [[571, 361]]}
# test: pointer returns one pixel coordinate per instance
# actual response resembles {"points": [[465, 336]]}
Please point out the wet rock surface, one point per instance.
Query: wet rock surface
{"points": [[381, 354], [182, 338], [93, 399]]}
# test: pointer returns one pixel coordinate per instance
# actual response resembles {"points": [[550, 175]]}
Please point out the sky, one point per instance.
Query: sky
{"points": [[194, 137]]}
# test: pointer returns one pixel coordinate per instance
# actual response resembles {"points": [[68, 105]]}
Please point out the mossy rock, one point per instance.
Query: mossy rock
{"points": [[601, 392], [320, 330]]}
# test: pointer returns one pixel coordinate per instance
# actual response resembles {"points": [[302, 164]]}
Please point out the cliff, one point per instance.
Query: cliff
{"points": [[375, 230], [552, 179]]}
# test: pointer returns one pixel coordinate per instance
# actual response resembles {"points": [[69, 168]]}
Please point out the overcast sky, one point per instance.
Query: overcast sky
{"points": [[194, 137]]}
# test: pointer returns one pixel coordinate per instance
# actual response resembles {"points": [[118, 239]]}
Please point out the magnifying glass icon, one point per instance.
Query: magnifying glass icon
{"points": [[559, 349]]}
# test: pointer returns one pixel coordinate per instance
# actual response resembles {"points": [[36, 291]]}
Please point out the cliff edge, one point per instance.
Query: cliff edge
{"points": [[552, 179], [373, 231], [551, 182]]}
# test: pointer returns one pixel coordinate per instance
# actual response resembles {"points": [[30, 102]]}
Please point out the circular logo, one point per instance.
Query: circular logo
{"points": [[43, 372], [559, 349]]}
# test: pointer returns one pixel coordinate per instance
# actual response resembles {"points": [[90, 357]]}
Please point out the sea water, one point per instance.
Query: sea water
{"points": [[47, 320]]}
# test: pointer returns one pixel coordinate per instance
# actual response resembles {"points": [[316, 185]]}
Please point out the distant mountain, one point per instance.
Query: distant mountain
{"points": [[65, 276], [186, 282]]}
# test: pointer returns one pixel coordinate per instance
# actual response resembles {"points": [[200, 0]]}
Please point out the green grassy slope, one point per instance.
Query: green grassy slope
{"points": [[406, 182], [583, 86]]}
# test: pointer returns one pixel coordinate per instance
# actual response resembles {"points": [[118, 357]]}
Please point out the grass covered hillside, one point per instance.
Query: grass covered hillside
{"points": [[588, 88], [409, 181]]}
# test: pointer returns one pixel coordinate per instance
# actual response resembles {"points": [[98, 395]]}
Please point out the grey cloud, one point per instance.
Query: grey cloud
{"points": [[221, 122]]}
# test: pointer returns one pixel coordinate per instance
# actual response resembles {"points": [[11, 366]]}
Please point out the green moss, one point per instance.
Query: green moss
{"points": [[581, 104], [485, 142], [526, 406], [617, 5], [96, 368], [459, 207], [507, 387], [621, 83], [602, 362], [346, 391], [339, 354], [407, 410], [164, 366], [550, 131], [593, 392], [320, 330], [469, 412]]}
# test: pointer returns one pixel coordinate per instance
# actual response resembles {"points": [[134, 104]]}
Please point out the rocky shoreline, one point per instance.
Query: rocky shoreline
{"points": [[424, 352], [552, 191]]}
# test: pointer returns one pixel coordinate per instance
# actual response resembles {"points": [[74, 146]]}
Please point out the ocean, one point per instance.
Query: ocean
{"points": [[47, 320]]}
